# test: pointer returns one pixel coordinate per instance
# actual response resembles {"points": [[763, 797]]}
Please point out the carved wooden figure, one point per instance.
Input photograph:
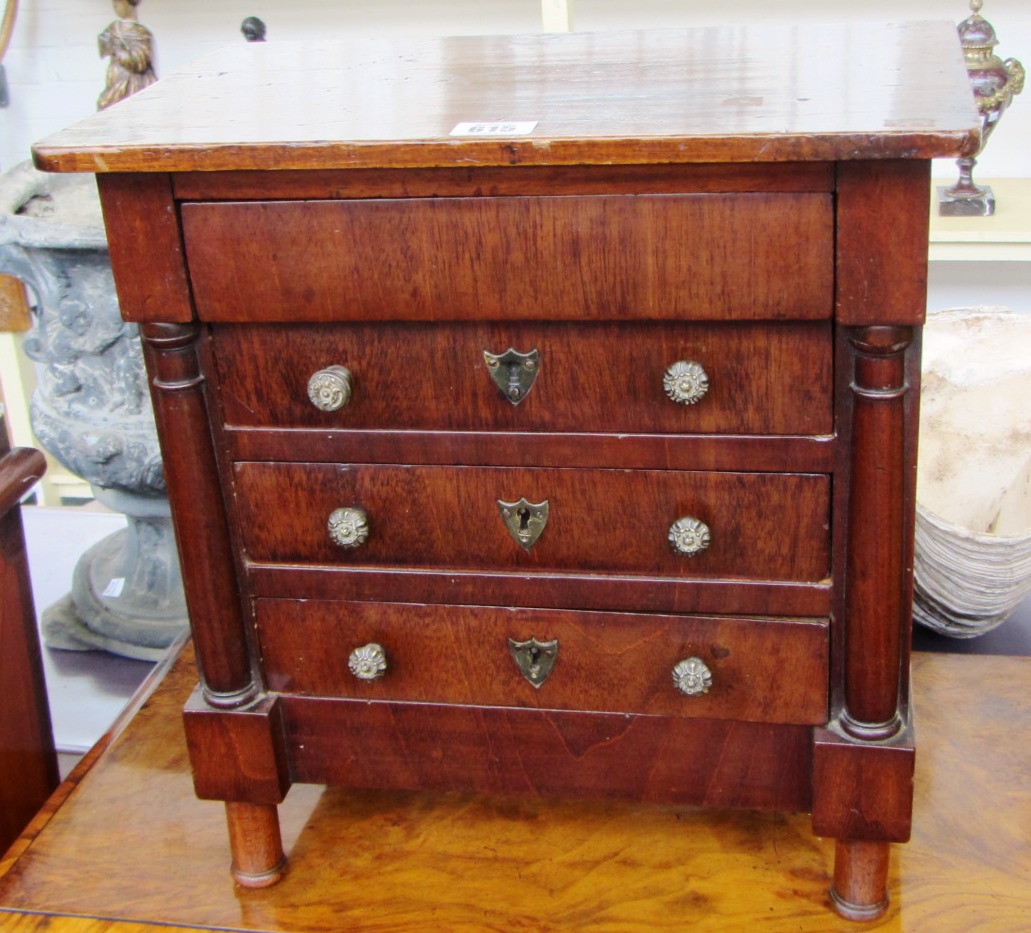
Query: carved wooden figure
{"points": [[567, 456], [129, 45]]}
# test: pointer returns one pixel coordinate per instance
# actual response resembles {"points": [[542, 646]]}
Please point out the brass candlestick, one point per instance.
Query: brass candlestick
{"points": [[995, 83]]}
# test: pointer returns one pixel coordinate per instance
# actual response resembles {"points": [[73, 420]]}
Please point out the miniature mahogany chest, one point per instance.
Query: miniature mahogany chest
{"points": [[570, 454]]}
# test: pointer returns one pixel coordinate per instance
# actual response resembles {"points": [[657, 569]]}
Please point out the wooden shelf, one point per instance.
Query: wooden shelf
{"points": [[1003, 237]]}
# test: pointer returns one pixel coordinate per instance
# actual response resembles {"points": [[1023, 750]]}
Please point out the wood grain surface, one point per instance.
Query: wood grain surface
{"points": [[766, 92], [602, 591], [198, 509], [721, 452], [605, 257], [143, 233], [132, 851], [770, 379], [549, 754], [763, 525], [494, 181], [605, 661]]}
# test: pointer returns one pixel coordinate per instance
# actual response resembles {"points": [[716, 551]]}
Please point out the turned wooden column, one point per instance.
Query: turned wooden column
{"points": [[876, 614], [863, 759], [191, 470], [256, 844]]}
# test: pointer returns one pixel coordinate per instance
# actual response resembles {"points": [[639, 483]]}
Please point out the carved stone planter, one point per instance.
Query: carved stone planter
{"points": [[92, 412]]}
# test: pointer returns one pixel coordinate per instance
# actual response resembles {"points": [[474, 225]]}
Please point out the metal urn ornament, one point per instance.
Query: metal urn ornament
{"points": [[995, 83]]}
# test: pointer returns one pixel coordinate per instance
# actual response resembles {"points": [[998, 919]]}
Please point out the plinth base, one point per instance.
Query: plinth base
{"points": [[124, 598], [979, 205]]}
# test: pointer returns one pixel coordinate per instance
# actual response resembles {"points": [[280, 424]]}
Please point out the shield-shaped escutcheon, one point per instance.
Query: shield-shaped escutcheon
{"points": [[524, 520], [514, 373], [535, 659]]}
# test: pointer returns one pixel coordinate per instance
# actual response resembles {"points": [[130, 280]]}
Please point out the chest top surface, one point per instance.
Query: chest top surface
{"points": [[763, 93]]}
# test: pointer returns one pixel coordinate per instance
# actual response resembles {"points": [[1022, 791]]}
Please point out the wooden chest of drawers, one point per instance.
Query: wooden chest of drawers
{"points": [[573, 462]]}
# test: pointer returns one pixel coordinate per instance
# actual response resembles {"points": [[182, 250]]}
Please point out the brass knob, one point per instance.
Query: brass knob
{"points": [[368, 662], [686, 382], [689, 536], [691, 677], [330, 389], [348, 527]]}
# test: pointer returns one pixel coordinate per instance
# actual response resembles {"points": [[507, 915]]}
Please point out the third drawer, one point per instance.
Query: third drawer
{"points": [[765, 670], [767, 526]]}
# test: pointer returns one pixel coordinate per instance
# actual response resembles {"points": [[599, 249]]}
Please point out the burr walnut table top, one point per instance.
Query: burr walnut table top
{"points": [[125, 847]]}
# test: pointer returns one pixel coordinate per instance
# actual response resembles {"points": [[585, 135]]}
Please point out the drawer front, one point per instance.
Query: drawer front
{"points": [[758, 378], [603, 257], [758, 670], [761, 526]]}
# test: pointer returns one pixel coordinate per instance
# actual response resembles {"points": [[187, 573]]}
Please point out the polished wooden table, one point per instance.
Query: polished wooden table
{"points": [[125, 847]]}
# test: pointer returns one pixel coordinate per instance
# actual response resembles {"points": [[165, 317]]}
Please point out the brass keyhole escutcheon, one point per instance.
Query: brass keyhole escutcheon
{"points": [[513, 373], [524, 520], [535, 659]]}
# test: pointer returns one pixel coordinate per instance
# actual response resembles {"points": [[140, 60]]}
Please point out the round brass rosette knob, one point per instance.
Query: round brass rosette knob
{"points": [[330, 389], [692, 678], [348, 527], [689, 536], [686, 382], [368, 662]]}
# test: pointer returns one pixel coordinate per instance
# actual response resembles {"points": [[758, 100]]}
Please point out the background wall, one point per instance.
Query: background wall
{"points": [[54, 72]]}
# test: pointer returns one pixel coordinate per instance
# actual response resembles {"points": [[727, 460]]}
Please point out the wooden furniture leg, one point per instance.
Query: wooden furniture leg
{"points": [[863, 760], [860, 879], [257, 848]]}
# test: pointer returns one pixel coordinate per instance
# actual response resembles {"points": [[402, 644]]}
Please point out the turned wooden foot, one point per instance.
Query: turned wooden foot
{"points": [[258, 859], [860, 889]]}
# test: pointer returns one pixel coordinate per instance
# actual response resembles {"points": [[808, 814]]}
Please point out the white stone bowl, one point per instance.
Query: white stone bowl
{"points": [[973, 528]]}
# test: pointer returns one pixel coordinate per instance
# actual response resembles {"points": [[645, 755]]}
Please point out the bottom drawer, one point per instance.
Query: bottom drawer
{"points": [[760, 670]]}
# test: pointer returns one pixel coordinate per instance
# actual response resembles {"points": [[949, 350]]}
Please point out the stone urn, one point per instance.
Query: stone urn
{"points": [[91, 411]]}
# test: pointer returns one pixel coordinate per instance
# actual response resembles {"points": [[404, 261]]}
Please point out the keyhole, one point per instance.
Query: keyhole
{"points": [[524, 519], [534, 668]]}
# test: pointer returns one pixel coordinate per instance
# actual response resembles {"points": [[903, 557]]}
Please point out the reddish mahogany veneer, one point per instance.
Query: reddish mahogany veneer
{"points": [[778, 239]]}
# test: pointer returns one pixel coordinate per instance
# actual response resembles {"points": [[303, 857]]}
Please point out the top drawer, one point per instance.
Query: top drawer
{"points": [[599, 257]]}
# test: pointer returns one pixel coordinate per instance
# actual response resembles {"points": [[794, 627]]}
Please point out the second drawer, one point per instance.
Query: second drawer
{"points": [[632, 377], [765, 670], [682, 524]]}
